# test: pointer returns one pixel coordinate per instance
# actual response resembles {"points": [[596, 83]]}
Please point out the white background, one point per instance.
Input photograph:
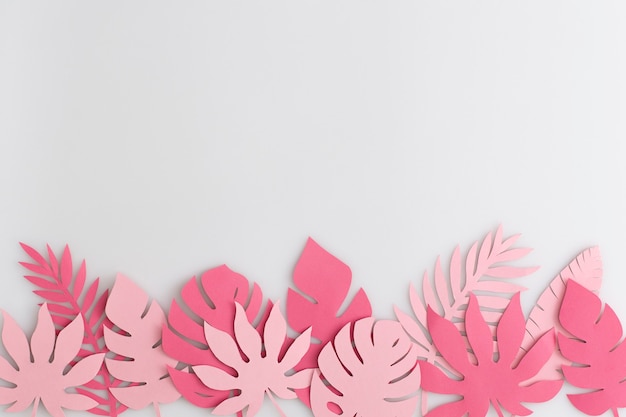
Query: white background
{"points": [[162, 139]]}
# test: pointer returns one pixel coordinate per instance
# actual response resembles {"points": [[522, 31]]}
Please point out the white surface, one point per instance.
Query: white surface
{"points": [[160, 140]]}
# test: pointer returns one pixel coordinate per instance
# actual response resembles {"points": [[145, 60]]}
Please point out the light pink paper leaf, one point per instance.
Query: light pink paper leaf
{"points": [[212, 300], [67, 299], [483, 270], [486, 381], [141, 357], [260, 368], [324, 282], [586, 269], [596, 347], [43, 378], [370, 374]]}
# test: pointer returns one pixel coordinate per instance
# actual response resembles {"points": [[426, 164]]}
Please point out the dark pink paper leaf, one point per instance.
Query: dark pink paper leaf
{"points": [[449, 294], [586, 269], [141, 358], [371, 369], [484, 380], [212, 301], [63, 291], [597, 345], [324, 282], [260, 366], [43, 378]]}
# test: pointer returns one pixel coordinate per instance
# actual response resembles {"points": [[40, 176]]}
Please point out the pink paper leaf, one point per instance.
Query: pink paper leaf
{"points": [[43, 378], [324, 282], [63, 290], [260, 367], [449, 294], [597, 346], [586, 269], [372, 373], [141, 357], [212, 300], [484, 380]]}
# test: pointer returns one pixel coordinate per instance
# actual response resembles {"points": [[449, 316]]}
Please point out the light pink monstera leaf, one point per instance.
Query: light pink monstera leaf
{"points": [[585, 269], [371, 370], [42, 378], [260, 368], [142, 359], [485, 380]]}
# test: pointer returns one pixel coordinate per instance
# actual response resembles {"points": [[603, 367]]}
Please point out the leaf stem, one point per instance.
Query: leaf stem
{"points": [[615, 413], [280, 411], [157, 409], [35, 407], [497, 407], [424, 402]]}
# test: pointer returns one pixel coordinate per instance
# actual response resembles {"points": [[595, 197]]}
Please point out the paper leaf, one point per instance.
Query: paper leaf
{"points": [[43, 378], [67, 299], [597, 346], [142, 359], [259, 366], [324, 282], [212, 300], [482, 270], [374, 373], [586, 269], [484, 380]]}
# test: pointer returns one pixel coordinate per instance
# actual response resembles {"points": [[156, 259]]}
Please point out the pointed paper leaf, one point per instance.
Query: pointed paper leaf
{"points": [[261, 373], [141, 358], [324, 282], [66, 298], [371, 374], [488, 381], [43, 379], [586, 269], [597, 346], [212, 301]]}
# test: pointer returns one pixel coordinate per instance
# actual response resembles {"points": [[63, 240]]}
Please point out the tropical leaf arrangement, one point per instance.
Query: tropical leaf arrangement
{"points": [[223, 346]]}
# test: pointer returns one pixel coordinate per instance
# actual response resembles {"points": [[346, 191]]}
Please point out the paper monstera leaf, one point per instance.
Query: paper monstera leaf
{"points": [[487, 381], [598, 350], [371, 370], [142, 360], [42, 378]]}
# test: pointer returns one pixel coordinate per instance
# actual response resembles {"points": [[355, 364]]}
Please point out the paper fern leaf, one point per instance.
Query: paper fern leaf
{"points": [[597, 346], [68, 298], [325, 282], [370, 374], [263, 370], [586, 269], [43, 378], [485, 269], [212, 300], [143, 360]]}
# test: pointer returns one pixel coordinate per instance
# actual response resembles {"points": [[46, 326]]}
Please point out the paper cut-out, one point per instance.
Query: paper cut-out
{"points": [[598, 346], [486, 381], [67, 298], [475, 274], [262, 370], [42, 378], [185, 341], [586, 269], [325, 280], [143, 360], [378, 376]]}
